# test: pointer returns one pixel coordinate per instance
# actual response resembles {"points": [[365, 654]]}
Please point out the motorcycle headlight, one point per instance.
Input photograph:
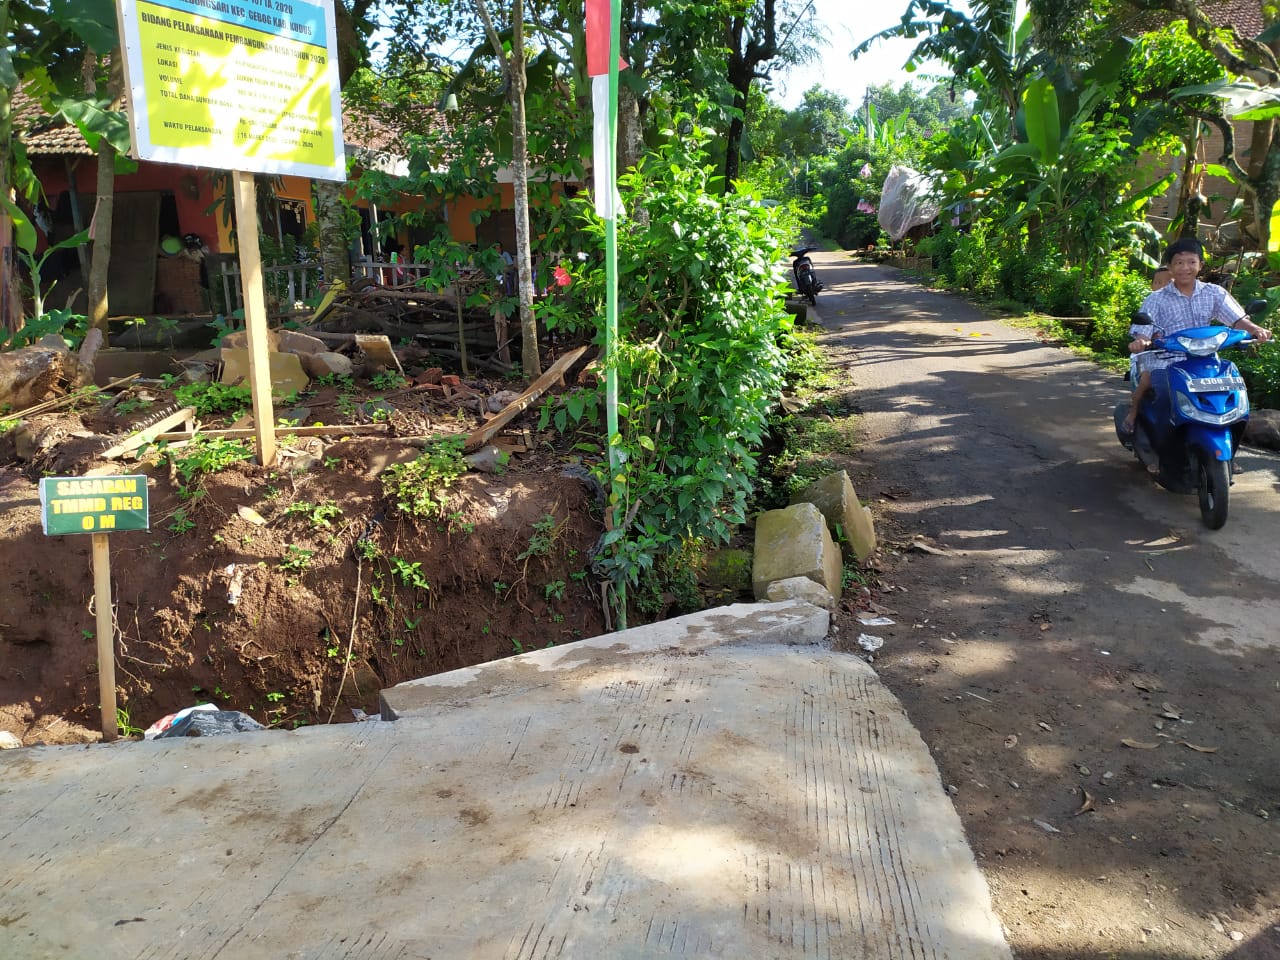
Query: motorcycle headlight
{"points": [[1203, 346]]}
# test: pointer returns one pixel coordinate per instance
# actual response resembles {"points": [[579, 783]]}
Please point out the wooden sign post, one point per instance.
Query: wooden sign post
{"points": [[255, 317], [98, 505]]}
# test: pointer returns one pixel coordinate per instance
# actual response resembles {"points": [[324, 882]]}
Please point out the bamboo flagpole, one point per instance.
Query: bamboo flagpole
{"points": [[603, 61]]}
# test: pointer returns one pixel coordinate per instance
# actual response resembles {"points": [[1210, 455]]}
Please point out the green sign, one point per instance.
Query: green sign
{"points": [[93, 504]]}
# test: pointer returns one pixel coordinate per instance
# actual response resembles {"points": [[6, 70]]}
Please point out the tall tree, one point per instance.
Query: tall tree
{"points": [[761, 36], [982, 45]]}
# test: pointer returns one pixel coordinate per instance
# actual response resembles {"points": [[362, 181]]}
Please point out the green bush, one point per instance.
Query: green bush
{"points": [[975, 263], [699, 359], [1110, 297]]}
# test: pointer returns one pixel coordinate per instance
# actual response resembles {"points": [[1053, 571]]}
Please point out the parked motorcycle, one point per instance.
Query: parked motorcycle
{"points": [[807, 282], [1190, 423]]}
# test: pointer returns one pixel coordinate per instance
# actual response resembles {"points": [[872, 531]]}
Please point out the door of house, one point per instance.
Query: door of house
{"points": [[498, 227], [135, 244]]}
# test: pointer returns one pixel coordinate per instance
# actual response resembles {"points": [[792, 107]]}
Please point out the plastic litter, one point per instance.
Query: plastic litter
{"points": [[875, 621], [906, 201], [202, 720], [869, 643]]}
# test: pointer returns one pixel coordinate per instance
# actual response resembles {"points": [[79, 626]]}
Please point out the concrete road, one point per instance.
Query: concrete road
{"points": [[722, 785]]}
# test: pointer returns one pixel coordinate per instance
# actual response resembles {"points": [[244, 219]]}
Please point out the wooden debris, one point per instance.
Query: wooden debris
{"points": [[148, 434], [69, 399], [554, 374], [243, 433]]}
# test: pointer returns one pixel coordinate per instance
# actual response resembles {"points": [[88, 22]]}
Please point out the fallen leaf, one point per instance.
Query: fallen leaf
{"points": [[1046, 626], [1196, 747], [250, 514], [923, 547], [1088, 802], [1139, 744], [1169, 713], [1011, 741], [1147, 684], [1045, 726], [1046, 827]]}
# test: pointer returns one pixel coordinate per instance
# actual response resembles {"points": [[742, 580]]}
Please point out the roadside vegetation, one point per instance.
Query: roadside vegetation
{"points": [[1048, 145]]}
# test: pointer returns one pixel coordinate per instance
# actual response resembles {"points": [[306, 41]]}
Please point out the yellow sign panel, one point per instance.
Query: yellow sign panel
{"points": [[249, 85]]}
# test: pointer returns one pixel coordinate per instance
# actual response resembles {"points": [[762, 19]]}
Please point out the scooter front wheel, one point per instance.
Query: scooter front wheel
{"points": [[1213, 484]]}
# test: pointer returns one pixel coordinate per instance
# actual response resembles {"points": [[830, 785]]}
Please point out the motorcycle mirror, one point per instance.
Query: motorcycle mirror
{"points": [[1257, 308], [1140, 316]]}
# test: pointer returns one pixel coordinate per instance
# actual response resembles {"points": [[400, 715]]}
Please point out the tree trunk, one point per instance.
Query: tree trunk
{"points": [[530, 360], [733, 144], [10, 291], [514, 74], [99, 269], [335, 262]]}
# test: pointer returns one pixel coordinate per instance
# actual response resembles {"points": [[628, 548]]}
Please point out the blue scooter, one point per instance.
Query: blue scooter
{"points": [[1190, 424]]}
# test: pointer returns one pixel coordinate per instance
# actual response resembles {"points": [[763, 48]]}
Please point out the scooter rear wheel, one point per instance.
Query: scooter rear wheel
{"points": [[1214, 482]]}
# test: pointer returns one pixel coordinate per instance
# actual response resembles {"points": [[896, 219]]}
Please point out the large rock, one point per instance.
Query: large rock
{"points": [[794, 542], [835, 497], [239, 340], [1263, 429], [31, 375], [303, 344], [327, 363], [800, 588]]}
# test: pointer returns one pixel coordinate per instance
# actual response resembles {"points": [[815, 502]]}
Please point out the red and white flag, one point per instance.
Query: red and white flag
{"points": [[600, 31]]}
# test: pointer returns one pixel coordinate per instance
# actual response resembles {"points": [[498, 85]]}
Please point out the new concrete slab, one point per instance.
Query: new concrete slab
{"points": [[668, 796]]}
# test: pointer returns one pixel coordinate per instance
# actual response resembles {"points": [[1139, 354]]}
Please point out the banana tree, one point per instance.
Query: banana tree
{"points": [[1071, 183]]}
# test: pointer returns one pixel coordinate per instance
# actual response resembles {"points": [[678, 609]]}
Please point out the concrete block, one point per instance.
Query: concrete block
{"points": [[794, 542], [800, 588], [835, 497], [286, 371]]}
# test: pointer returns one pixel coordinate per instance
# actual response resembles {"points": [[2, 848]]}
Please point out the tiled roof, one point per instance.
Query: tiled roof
{"points": [[1244, 15], [45, 136], [42, 135]]}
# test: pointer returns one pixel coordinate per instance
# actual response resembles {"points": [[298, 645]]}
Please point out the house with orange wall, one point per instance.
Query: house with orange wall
{"points": [[172, 225]]}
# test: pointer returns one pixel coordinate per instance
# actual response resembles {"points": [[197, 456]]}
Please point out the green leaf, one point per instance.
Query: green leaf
{"points": [[24, 232], [1216, 170], [94, 123], [8, 76], [93, 21], [1044, 128]]}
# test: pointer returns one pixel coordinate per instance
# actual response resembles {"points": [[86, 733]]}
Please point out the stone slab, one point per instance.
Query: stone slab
{"points": [[835, 497], [795, 542], [287, 375]]}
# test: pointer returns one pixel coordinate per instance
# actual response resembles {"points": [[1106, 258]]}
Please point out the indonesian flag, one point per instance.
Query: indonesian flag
{"points": [[601, 34]]}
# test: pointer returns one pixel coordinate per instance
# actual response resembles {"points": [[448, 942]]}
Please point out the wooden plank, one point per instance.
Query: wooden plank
{"points": [[517, 406], [242, 433], [131, 443]]}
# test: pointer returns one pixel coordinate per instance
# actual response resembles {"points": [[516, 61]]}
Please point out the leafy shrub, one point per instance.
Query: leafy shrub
{"points": [[698, 357], [1110, 297], [201, 457], [417, 489], [209, 398], [975, 264]]}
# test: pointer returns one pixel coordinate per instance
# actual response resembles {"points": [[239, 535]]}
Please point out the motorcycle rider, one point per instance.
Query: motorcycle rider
{"points": [[1184, 303]]}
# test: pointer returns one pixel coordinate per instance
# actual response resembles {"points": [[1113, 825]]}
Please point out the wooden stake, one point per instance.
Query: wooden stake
{"points": [[255, 315], [106, 634]]}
